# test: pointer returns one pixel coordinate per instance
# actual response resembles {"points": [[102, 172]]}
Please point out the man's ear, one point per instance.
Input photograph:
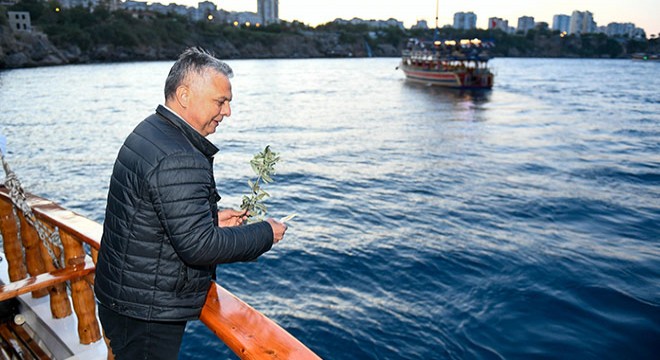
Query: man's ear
{"points": [[183, 96]]}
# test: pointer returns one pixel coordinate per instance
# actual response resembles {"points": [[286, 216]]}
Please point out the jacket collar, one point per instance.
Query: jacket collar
{"points": [[195, 138]]}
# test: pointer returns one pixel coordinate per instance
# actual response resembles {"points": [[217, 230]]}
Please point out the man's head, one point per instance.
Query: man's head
{"points": [[198, 89]]}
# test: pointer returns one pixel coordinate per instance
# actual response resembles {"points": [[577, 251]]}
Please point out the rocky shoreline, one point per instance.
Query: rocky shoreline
{"points": [[32, 49]]}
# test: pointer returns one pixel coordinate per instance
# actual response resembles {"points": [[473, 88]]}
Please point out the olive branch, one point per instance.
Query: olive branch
{"points": [[263, 165]]}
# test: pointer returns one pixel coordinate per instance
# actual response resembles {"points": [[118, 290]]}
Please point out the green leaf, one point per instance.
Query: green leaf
{"points": [[263, 165]]}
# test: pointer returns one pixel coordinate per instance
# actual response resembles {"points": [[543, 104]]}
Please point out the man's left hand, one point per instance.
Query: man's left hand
{"points": [[230, 217]]}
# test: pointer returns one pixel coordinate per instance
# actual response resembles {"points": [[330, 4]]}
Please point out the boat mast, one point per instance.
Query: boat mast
{"points": [[436, 34]]}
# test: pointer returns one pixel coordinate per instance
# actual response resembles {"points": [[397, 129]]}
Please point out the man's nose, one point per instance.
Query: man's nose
{"points": [[226, 110]]}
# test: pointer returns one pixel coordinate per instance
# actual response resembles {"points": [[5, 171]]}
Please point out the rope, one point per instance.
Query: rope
{"points": [[48, 237]]}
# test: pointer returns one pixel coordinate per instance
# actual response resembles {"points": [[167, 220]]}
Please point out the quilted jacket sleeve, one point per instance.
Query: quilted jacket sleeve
{"points": [[180, 186]]}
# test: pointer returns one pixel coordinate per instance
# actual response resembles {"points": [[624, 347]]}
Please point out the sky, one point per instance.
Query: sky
{"points": [[643, 13]]}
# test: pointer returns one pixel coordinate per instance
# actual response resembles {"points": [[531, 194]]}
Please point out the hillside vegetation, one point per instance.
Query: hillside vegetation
{"points": [[79, 36]]}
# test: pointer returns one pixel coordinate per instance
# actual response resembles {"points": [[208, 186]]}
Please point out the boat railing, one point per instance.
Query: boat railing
{"points": [[435, 56], [246, 331]]}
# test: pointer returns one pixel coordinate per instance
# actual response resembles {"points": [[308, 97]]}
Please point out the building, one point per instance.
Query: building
{"points": [[268, 11], [19, 20], [465, 20], [639, 34], [380, 24], [525, 23], [133, 6], [111, 5], [561, 22], [245, 18], [373, 24], [67, 4], [582, 23], [619, 29], [421, 24], [541, 25], [187, 11], [498, 23], [204, 10], [624, 30], [141, 7]]}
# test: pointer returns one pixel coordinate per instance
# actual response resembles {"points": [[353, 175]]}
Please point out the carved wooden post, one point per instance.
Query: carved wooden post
{"points": [[95, 258], [84, 303], [31, 244], [95, 255], [11, 242], [60, 306]]}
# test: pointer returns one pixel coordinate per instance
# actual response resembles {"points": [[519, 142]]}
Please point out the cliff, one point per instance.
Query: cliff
{"points": [[22, 49], [30, 49]]}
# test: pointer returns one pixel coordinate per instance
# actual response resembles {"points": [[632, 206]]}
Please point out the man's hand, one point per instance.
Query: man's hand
{"points": [[230, 217], [278, 229]]}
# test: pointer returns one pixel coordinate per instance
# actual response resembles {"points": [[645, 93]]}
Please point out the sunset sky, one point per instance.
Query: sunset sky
{"points": [[643, 13]]}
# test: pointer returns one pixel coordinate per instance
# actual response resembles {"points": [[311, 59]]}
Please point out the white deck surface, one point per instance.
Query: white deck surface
{"points": [[60, 336]]}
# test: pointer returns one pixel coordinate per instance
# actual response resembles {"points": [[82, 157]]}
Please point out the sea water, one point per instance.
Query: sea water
{"points": [[521, 222]]}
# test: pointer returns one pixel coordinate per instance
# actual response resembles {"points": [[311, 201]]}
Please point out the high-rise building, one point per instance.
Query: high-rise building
{"points": [[619, 29], [561, 23], [624, 29], [525, 23], [498, 23], [465, 20], [268, 11], [582, 23]]}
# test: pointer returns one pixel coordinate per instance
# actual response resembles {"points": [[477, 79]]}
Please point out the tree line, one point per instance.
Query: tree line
{"points": [[87, 29]]}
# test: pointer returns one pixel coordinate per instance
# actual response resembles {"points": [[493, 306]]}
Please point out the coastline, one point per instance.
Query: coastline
{"points": [[35, 49]]}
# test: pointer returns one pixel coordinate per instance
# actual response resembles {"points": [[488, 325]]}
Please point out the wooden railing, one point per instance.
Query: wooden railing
{"points": [[44, 278], [250, 334]]}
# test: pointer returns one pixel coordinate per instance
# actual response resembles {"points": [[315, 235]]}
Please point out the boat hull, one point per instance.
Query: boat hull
{"points": [[451, 79]]}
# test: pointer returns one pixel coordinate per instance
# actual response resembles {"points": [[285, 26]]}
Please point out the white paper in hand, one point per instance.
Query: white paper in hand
{"points": [[287, 218]]}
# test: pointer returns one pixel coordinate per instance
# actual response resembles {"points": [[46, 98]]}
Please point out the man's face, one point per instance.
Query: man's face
{"points": [[210, 95]]}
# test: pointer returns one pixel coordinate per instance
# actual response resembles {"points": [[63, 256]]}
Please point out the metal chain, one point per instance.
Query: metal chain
{"points": [[48, 237]]}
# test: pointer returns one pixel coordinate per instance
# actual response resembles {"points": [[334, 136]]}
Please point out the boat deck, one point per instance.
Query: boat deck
{"points": [[16, 342], [48, 338]]}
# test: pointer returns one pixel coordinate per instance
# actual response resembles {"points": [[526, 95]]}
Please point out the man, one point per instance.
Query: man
{"points": [[163, 234]]}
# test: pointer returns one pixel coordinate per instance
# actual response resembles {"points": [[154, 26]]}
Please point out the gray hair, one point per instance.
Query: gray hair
{"points": [[197, 60]]}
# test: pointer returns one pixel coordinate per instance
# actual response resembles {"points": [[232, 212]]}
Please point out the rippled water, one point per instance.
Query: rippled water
{"points": [[516, 223]]}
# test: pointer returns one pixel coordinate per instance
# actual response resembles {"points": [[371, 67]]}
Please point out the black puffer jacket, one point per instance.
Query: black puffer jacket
{"points": [[160, 241]]}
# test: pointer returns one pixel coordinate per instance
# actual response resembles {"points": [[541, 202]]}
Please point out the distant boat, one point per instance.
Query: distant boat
{"points": [[462, 64], [645, 57], [459, 64]]}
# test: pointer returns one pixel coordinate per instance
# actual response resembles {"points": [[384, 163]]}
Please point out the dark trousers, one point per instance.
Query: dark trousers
{"points": [[135, 339]]}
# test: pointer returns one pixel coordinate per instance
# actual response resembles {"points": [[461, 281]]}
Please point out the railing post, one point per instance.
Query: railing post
{"points": [[12, 245], [38, 262], [82, 294], [60, 305], [33, 260], [95, 255]]}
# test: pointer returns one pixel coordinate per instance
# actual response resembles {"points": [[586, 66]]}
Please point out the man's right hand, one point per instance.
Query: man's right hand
{"points": [[278, 229]]}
